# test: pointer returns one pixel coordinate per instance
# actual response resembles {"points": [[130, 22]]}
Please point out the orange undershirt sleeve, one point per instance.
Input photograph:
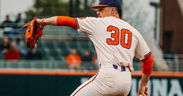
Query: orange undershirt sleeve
{"points": [[67, 21], [147, 64]]}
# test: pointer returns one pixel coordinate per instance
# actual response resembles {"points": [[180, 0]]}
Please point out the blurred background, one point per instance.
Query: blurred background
{"points": [[62, 50]]}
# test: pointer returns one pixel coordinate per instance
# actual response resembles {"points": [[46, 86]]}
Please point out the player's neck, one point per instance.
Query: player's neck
{"points": [[116, 15]]}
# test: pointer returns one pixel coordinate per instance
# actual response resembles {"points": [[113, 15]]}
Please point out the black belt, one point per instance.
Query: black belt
{"points": [[122, 68]]}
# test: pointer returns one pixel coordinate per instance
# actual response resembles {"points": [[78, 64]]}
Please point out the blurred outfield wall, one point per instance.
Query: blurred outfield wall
{"points": [[63, 83]]}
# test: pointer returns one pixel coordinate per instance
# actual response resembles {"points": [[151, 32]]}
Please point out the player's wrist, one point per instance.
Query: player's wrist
{"points": [[143, 91], [42, 22]]}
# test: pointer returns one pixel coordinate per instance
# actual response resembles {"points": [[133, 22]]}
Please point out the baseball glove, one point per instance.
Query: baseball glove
{"points": [[32, 33]]}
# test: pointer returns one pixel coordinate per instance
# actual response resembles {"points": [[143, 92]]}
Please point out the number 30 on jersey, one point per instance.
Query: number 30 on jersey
{"points": [[122, 37]]}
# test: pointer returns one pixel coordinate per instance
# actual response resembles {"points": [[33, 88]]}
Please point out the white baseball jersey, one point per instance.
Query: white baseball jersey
{"points": [[116, 42]]}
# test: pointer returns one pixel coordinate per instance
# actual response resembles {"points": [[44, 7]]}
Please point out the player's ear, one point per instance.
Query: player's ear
{"points": [[113, 10]]}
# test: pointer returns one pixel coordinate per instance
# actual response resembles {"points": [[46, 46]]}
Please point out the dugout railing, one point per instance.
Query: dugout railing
{"points": [[44, 65], [62, 65]]}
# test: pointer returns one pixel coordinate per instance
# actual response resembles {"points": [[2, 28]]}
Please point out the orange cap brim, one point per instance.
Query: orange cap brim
{"points": [[99, 6]]}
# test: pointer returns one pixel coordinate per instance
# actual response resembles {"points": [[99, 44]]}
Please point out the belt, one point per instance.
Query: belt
{"points": [[118, 67], [121, 68]]}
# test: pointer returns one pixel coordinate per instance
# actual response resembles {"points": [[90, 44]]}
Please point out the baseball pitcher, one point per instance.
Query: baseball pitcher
{"points": [[116, 43]]}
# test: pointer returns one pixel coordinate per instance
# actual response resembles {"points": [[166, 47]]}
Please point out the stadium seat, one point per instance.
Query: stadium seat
{"points": [[50, 44], [80, 51], [39, 44], [62, 45], [73, 44], [65, 52], [60, 58], [59, 50], [54, 54], [45, 52], [84, 45], [91, 46], [47, 57]]}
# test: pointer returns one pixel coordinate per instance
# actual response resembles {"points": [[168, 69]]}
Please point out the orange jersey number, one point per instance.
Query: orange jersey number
{"points": [[114, 40], [125, 40]]}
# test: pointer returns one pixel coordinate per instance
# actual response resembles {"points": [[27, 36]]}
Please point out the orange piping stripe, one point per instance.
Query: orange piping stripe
{"points": [[161, 74], [85, 85], [46, 72], [89, 73]]}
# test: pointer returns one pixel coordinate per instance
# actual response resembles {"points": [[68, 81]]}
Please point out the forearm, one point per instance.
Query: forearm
{"points": [[50, 21], [143, 89], [144, 79], [59, 21], [147, 65]]}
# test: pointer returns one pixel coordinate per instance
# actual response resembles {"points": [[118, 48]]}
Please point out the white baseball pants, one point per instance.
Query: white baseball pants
{"points": [[109, 81]]}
